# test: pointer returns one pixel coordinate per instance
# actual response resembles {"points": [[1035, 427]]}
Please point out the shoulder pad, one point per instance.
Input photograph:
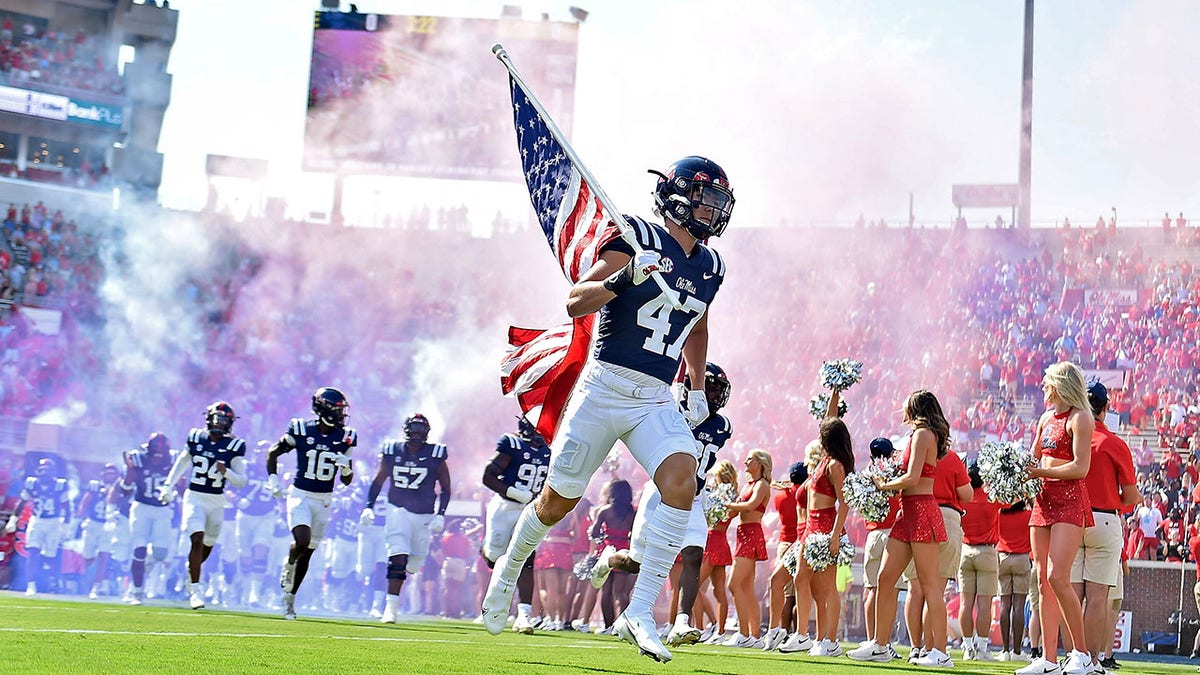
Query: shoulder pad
{"points": [[60, 484], [717, 264], [30, 483], [298, 427], [724, 425], [388, 448], [136, 456], [513, 442], [646, 233], [439, 451], [238, 446]]}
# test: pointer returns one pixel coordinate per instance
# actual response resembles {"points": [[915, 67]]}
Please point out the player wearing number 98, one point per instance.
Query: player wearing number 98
{"points": [[516, 474], [214, 456], [624, 393], [410, 468], [322, 448]]}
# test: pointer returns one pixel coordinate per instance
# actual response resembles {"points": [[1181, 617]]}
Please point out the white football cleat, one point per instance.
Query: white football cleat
{"points": [[196, 601], [683, 635], [601, 570], [640, 631], [388, 616], [523, 625], [289, 606], [287, 578], [495, 605]]}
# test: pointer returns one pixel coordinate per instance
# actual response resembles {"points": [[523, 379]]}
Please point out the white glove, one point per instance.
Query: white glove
{"points": [[11, 525], [697, 408], [165, 494], [437, 524], [644, 264], [367, 517], [518, 495], [343, 461], [273, 485]]}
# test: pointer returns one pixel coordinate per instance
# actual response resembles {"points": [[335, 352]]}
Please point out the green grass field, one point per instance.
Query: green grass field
{"points": [[52, 636]]}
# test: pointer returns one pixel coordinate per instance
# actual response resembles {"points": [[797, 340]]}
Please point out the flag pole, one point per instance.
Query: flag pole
{"points": [[615, 213]]}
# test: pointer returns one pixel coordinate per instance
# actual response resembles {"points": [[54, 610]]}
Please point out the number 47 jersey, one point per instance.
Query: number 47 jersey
{"points": [[317, 453]]}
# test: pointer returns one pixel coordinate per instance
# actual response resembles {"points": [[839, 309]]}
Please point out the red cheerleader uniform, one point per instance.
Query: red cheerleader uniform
{"points": [[919, 519], [1061, 501]]}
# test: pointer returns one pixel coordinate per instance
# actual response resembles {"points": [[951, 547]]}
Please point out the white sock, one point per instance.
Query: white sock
{"points": [[681, 620], [524, 609], [983, 643], [528, 533], [664, 530], [393, 604]]}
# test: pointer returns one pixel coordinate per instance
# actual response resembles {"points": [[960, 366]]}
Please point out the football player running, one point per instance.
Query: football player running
{"points": [[255, 525], [516, 474], [214, 456], [50, 497], [97, 541], [410, 468], [711, 435], [624, 392], [322, 448], [146, 470]]}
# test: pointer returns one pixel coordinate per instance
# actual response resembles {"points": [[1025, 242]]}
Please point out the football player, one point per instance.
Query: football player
{"points": [[372, 552], [711, 435], [214, 456], [146, 470], [97, 540], [322, 448], [50, 498], [255, 525], [624, 392], [116, 515], [342, 555], [516, 474], [410, 468]]}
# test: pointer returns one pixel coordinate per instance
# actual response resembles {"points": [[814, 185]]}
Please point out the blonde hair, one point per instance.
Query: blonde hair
{"points": [[814, 452], [1067, 381], [764, 460], [725, 472]]}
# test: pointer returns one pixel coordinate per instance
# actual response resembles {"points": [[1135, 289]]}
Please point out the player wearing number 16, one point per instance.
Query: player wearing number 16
{"points": [[624, 391], [214, 456], [410, 468], [322, 448]]}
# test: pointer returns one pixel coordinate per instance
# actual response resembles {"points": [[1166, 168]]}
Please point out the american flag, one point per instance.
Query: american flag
{"points": [[541, 369]]}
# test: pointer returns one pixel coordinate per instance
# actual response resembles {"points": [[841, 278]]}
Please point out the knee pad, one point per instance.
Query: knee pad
{"points": [[396, 571], [209, 541], [139, 554]]}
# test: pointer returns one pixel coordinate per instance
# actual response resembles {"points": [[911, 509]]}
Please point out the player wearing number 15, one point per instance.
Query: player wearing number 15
{"points": [[214, 456], [322, 448], [624, 392], [410, 468]]}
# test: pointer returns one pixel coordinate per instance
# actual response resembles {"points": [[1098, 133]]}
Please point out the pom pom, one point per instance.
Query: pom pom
{"points": [[583, 568], [476, 536], [817, 553], [716, 503], [790, 558], [840, 374], [861, 494], [1004, 467], [819, 405]]}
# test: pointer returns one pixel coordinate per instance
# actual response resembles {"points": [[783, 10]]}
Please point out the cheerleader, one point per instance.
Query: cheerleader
{"points": [[751, 549], [717, 557]]}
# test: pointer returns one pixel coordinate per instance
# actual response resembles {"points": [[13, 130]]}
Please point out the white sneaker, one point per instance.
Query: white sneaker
{"points": [[388, 616], [707, 633], [1040, 666], [984, 655], [289, 606], [1005, 656], [1078, 663], [683, 635], [735, 640], [93, 594], [825, 647], [1019, 656], [287, 578], [601, 570], [196, 601], [31, 589], [969, 652], [914, 654], [718, 637], [935, 659], [640, 632], [137, 597], [773, 639], [523, 625], [870, 652], [495, 604], [796, 642]]}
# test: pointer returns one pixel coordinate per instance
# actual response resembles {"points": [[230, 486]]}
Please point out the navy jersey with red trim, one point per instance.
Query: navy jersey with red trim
{"points": [[412, 474], [205, 452], [527, 466], [255, 497], [149, 475], [711, 435], [640, 329], [317, 453], [50, 496]]}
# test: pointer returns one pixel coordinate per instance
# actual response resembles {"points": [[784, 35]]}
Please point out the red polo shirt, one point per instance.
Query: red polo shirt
{"points": [[950, 474], [1014, 532], [981, 522], [785, 506], [1111, 467]]}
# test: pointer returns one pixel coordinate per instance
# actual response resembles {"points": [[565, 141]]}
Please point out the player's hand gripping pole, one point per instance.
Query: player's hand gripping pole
{"points": [[626, 231]]}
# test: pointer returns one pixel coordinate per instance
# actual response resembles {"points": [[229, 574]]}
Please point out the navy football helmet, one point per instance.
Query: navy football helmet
{"points": [[716, 386], [47, 467], [416, 428], [219, 417], [157, 444], [691, 183], [330, 406], [527, 431]]}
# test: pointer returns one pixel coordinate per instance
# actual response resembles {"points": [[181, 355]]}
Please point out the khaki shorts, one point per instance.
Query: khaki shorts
{"points": [[1035, 589], [1117, 592], [789, 588], [1196, 593], [873, 558], [1015, 570], [1099, 556], [979, 570], [949, 551]]}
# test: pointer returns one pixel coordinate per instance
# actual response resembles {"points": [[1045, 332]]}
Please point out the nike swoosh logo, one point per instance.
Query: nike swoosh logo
{"points": [[707, 276]]}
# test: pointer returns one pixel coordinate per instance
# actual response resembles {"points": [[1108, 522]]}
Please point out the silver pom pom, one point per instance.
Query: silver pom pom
{"points": [[818, 555], [1004, 467], [820, 404], [861, 494], [840, 374], [716, 503]]}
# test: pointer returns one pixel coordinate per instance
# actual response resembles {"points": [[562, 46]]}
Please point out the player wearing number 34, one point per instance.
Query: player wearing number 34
{"points": [[322, 448], [624, 391]]}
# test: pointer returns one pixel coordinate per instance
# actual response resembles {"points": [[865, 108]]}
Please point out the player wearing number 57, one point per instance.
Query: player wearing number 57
{"points": [[213, 456], [322, 448], [410, 468]]}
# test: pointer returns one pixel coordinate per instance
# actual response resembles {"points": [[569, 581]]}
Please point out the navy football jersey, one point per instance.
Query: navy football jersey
{"points": [[527, 466], [49, 496], [711, 435], [344, 523], [205, 452], [317, 453], [640, 329], [97, 494], [149, 475], [120, 501], [413, 474], [255, 497]]}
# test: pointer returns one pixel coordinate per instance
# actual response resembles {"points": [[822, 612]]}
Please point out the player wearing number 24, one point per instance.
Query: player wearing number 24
{"points": [[410, 468], [322, 448], [213, 456]]}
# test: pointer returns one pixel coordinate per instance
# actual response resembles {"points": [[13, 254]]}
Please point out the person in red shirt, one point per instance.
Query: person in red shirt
{"points": [[877, 539], [1014, 575], [979, 570], [782, 602], [1194, 547]]}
